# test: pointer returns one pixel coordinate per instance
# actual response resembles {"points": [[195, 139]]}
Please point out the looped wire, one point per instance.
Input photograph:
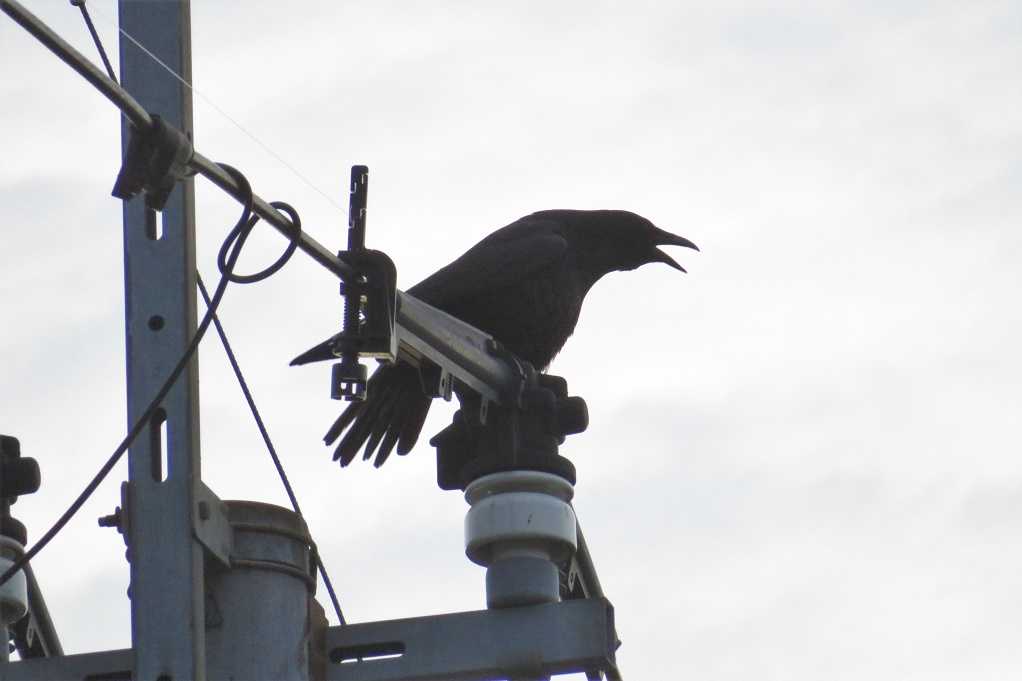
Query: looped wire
{"points": [[240, 233]]}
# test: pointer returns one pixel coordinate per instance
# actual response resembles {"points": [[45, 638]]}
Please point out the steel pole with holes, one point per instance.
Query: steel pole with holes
{"points": [[167, 606]]}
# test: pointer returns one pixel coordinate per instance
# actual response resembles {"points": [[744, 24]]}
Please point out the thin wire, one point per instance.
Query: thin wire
{"points": [[269, 445], [80, 4], [223, 113]]}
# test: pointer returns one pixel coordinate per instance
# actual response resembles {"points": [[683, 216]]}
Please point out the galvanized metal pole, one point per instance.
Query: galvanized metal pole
{"points": [[167, 605]]}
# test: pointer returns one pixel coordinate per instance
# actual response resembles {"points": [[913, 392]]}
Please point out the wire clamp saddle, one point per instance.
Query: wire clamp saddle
{"points": [[155, 160]]}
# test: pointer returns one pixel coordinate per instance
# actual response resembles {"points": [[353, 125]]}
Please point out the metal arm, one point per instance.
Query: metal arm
{"points": [[422, 330]]}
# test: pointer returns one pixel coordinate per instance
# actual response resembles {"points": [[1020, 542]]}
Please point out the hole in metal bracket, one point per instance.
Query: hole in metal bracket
{"points": [[158, 444], [153, 225]]}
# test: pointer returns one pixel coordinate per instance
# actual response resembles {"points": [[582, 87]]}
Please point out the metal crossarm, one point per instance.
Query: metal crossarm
{"points": [[526, 642]]}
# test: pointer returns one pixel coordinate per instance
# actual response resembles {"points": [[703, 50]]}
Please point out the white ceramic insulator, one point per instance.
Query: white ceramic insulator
{"points": [[519, 513], [14, 592]]}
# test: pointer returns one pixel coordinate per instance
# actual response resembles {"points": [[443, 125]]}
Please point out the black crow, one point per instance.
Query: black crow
{"points": [[524, 285]]}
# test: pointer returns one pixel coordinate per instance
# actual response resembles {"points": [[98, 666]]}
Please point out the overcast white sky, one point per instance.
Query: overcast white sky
{"points": [[804, 458]]}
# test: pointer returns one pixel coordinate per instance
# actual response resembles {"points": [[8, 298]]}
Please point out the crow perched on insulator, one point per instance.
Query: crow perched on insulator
{"points": [[524, 285]]}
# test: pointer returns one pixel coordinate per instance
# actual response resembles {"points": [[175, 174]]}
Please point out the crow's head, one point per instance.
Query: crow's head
{"points": [[613, 240]]}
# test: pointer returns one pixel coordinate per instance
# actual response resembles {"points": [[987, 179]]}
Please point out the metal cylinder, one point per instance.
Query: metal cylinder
{"points": [[519, 527], [258, 623]]}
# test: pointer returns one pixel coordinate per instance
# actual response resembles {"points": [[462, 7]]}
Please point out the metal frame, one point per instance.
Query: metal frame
{"points": [[173, 522]]}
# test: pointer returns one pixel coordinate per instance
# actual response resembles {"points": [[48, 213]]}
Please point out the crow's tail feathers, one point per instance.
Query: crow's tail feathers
{"points": [[392, 413]]}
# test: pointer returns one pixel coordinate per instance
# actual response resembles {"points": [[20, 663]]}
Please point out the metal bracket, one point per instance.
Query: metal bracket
{"points": [[458, 348], [527, 642], [210, 524], [156, 158]]}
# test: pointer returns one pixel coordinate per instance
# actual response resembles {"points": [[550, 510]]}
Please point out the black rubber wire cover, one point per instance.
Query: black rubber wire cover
{"points": [[240, 233]]}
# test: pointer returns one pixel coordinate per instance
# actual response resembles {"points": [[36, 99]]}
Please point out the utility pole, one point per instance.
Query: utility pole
{"points": [[167, 607]]}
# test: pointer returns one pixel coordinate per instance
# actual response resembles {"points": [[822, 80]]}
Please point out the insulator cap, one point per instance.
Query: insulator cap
{"points": [[18, 475]]}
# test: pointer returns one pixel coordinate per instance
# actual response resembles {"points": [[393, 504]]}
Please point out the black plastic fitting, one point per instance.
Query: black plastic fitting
{"points": [[524, 436], [155, 160]]}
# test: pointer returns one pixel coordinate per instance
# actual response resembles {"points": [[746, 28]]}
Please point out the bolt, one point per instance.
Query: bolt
{"points": [[112, 520]]}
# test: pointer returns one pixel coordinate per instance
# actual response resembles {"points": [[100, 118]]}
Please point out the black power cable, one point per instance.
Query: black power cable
{"points": [[242, 233]]}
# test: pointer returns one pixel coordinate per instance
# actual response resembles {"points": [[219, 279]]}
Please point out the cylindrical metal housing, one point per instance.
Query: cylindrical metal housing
{"points": [[258, 611]]}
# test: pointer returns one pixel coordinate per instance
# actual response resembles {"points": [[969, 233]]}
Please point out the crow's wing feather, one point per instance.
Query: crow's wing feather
{"points": [[376, 418]]}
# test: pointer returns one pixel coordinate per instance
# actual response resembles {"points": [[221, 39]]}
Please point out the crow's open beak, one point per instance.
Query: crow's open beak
{"points": [[663, 238]]}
